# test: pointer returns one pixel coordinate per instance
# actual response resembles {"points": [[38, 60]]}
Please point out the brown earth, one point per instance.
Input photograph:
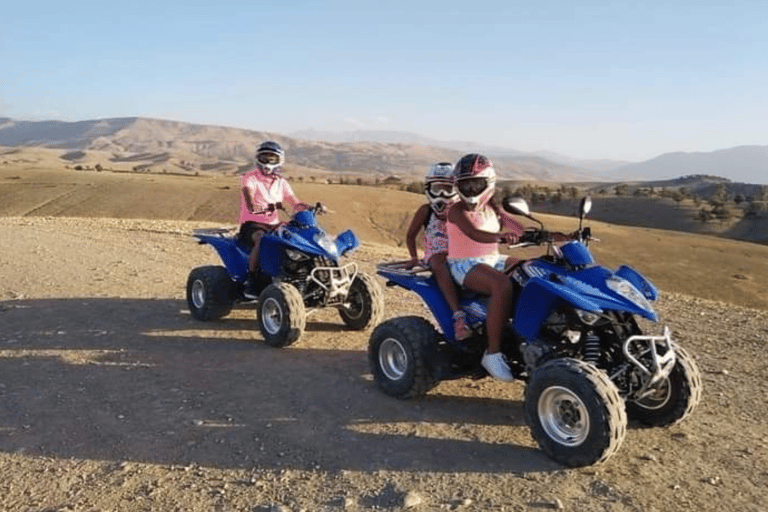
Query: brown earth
{"points": [[113, 398]]}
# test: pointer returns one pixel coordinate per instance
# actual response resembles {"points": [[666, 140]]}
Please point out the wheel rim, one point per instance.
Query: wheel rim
{"points": [[393, 359], [198, 293], [658, 399], [354, 304], [271, 316], [563, 416]]}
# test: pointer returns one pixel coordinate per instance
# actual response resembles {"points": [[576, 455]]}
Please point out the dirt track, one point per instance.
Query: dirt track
{"points": [[113, 398]]}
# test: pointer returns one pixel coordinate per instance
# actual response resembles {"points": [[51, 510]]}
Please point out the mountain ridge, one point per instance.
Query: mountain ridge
{"points": [[377, 153]]}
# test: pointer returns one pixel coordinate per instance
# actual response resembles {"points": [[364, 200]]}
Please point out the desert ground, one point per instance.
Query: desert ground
{"points": [[112, 398]]}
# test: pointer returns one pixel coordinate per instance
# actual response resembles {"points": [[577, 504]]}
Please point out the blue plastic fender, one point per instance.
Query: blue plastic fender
{"points": [[234, 257], [429, 291], [347, 241], [537, 300]]}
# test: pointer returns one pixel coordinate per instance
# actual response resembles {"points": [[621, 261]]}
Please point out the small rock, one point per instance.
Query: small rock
{"points": [[349, 502], [714, 480], [411, 499], [466, 502], [280, 508]]}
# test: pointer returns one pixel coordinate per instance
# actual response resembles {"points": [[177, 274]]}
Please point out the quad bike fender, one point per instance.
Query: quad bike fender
{"points": [[536, 301], [429, 291], [347, 241], [234, 257], [638, 281]]}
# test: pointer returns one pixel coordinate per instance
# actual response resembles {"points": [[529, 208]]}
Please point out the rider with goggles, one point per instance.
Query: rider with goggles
{"points": [[474, 231], [263, 193], [441, 193]]}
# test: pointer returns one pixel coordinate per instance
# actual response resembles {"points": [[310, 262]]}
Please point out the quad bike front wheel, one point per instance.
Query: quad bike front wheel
{"points": [[364, 305], [674, 398], [574, 412], [210, 293], [281, 313], [398, 354]]}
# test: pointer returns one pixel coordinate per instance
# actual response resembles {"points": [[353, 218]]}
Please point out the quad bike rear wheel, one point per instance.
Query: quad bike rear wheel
{"points": [[674, 398], [574, 412], [210, 293], [364, 305], [281, 314], [398, 354]]}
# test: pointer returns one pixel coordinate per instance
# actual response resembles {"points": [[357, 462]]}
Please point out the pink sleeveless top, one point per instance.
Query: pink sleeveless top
{"points": [[461, 246]]}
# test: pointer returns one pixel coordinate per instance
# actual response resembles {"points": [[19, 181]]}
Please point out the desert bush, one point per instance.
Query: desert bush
{"points": [[99, 168], [417, 187], [621, 190]]}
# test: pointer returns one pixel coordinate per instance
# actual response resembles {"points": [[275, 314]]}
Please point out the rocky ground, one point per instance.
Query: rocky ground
{"points": [[113, 398]]}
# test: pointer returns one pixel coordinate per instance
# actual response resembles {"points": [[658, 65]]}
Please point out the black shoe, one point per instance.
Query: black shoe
{"points": [[250, 288]]}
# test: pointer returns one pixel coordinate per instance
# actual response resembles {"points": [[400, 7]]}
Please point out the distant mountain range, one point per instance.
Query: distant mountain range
{"points": [[137, 139]]}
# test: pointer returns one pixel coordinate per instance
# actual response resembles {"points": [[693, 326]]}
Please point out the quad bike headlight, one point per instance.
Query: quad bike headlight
{"points": [[628, 291], [327, 243]]}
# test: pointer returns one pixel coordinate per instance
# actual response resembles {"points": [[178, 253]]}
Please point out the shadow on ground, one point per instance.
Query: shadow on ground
{"points": [[140, 380]]}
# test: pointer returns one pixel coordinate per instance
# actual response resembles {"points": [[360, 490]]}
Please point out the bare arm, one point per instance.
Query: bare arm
{"points": [[413, 230]]}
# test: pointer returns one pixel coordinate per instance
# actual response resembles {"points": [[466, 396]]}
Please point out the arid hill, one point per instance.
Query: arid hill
{"points": [[156, 144]]}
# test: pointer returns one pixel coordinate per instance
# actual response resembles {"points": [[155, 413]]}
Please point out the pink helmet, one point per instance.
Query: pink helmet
{"points": [[475, 179], [439, 187]]}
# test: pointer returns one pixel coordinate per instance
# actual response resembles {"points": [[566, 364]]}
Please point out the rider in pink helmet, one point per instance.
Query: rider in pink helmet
{"points": [[474, 231]]}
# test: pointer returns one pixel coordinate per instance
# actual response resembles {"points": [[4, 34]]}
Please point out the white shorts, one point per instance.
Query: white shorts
{"points": [[460, 267]]}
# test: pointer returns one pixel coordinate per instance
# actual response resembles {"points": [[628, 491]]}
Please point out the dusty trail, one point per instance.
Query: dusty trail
{"points": [[113, 398]]}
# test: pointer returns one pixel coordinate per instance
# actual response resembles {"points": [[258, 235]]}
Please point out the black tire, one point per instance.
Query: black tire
{"points": [[676, 397], [574, 412], [281, 314], [398, 354], [210, 293], [365, 303]]}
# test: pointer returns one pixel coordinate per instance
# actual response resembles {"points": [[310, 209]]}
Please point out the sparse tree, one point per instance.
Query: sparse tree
{"points": [[621, 190]]}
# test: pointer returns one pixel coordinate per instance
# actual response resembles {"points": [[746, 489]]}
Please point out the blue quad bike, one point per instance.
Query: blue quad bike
{"points": [[300, 272], [572, 336]]}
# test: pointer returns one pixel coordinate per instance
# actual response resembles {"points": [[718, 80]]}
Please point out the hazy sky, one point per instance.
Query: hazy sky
{"points": [[589, 79]]}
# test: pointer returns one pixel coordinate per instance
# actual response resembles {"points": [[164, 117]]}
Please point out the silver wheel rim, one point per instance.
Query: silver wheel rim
{"points": [[393, 359], [198, 293], [271, 315], [563, 416]]}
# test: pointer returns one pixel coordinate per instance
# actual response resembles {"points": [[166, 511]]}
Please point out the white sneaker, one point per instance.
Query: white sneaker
{"points": [[496, 365]]}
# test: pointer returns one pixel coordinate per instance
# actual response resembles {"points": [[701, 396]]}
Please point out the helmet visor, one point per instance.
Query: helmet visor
{"points": [[268, 158], [472, 187], [441, 189]]}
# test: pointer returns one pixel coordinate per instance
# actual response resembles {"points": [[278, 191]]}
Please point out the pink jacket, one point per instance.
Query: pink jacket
{"points": [[265, 190]]}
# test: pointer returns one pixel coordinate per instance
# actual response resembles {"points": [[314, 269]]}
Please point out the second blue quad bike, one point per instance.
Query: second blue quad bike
{"points": [[301, 271], [573, 336]]}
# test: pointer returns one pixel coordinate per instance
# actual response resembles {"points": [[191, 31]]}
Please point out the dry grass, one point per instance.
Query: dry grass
{"points": [[36, 182]]}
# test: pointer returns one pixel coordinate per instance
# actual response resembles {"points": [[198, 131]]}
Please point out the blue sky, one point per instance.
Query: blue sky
{"points": [[589, 79]]}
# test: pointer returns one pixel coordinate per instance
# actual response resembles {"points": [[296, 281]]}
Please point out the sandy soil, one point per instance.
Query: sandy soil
{"points": [[113, 398]]}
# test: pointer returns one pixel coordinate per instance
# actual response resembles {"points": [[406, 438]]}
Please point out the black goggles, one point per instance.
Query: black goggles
{"points": [[268, 158], [472, 187]]}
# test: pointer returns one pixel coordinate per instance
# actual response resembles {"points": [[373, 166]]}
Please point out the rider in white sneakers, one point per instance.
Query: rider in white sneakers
{"points": [[474, 232]]}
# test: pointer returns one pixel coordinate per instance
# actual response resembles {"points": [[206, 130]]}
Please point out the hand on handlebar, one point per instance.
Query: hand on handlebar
{"points": [[535, 236], [508, 238]]}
